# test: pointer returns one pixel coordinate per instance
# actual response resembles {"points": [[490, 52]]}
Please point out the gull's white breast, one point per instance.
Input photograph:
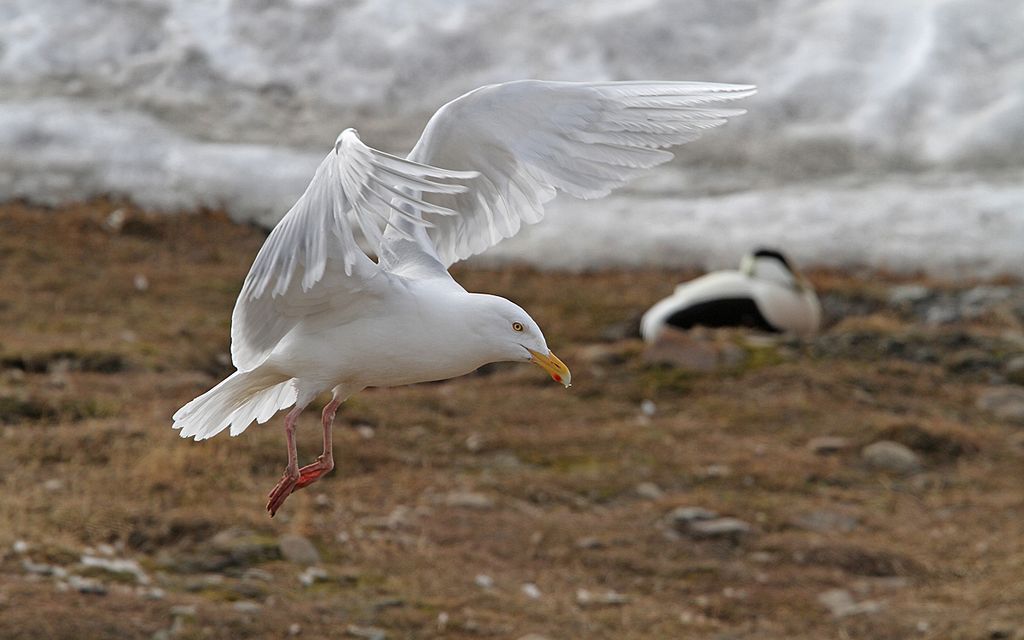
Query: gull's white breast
{"points": [[418, 333]]}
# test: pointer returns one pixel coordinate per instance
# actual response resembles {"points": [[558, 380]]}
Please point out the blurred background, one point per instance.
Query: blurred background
{"points": [[860, 481], [886, 134]]}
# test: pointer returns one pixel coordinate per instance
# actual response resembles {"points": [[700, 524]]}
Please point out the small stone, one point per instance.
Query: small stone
{"points": [[1005, 403], [648, 408], [682, 517], [589, 542], [183, 611], [312, 575], [365, 431], [823, 521], [247, 606], [531, 591], [294, 629], [602, 355], [586, 598], [908, 294], [717, 471], [43, 569], [484, 581], [468, 500], [886, 455], [116, 566], [941, 313], [257, 574], [115, 220], [87, 585], [975, 302], [732, 529], [298, 549], [826, 445], [533, 636], [841, 603], [367, 633], [474, 442], [1014, 370], [20, 547], [649, 491], [140, 282], [677, 349]]}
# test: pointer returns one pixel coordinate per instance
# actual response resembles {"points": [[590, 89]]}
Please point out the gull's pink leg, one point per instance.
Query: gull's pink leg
{"points": [[287, 482], [312, 472]]}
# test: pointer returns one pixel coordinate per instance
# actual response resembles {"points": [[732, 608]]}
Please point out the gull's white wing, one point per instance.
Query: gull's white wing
{"points": [[530, 139], [312, 262]]}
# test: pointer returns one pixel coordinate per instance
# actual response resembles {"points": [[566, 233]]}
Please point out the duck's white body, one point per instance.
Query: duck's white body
{"points": [[764, 294]]}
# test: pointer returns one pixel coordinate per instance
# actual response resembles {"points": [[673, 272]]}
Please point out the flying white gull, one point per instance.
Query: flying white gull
{"points": [[316, 313]]}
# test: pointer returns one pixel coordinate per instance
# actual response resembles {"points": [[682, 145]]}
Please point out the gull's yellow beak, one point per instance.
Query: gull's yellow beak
{"points": [[555, 367]]}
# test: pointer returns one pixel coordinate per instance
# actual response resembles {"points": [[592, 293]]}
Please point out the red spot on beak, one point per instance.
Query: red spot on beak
{"points": [[556, 377]]}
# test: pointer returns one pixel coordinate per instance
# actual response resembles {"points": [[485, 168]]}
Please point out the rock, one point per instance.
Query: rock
{"points": [[841, 603], [87, 585], [942, 312], [823, 521], [1014, 370], [586, 598], [825, 445], [648, 408], [649, 491], [484, 581], [117, 566], [468, 500], [42, 569], [969, 360], [975, 302], [890, 456], [367, 633], [731, 529], [604, 355], [298, 549], [1005, 403], [233, 547], [682, 517], [20, 547], [678, 349], [908, 294], [590, 542], [531, 591], [247, 606], [312, 575], [184, 611]]}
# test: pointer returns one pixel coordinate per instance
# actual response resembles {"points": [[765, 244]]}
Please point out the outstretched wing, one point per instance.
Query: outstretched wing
{"points": [[312, 262], [530, 139]]}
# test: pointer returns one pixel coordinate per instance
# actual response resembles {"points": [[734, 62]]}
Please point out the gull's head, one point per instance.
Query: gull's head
{"points": [[512, 335]]}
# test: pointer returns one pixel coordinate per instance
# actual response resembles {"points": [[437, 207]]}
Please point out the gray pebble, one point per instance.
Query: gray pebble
{"points": [[298, 549], [732, 529], [886, 455], [1005, 403]]}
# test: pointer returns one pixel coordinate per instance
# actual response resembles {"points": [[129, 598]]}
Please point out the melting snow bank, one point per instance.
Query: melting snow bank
{"points": [[56, 151], [949, 225], [955, 225]]}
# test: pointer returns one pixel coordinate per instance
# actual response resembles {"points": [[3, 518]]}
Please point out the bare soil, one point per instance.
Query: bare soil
{"points": [[499, 504]]}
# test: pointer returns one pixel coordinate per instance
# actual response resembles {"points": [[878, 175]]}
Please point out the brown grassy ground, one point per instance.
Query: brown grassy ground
{"points": [[92, 366]]}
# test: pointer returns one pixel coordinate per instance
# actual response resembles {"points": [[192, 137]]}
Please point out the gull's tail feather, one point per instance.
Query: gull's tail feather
{"points": [[236, 402]]}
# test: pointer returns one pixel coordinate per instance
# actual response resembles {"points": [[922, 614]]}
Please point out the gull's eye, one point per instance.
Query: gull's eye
{"points": [[517, 326]]}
